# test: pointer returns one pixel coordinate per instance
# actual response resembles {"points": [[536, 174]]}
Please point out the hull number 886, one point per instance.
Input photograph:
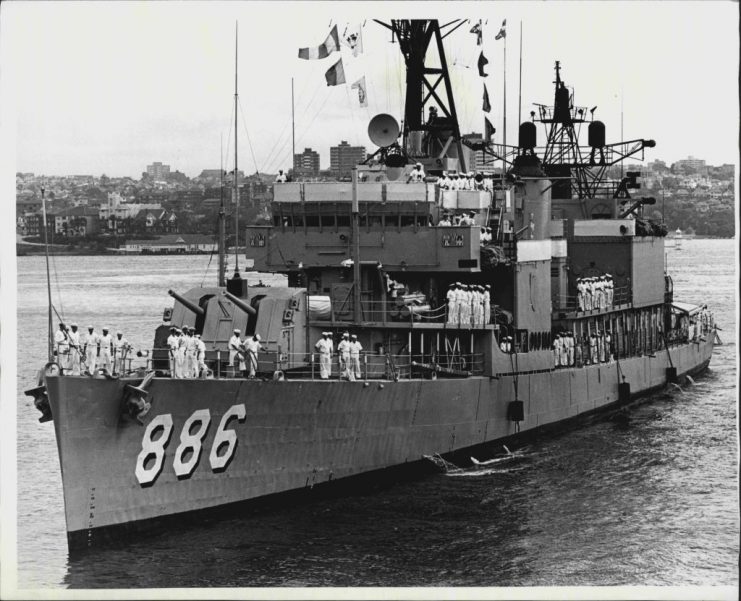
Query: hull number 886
{"points": [[151, 459]]}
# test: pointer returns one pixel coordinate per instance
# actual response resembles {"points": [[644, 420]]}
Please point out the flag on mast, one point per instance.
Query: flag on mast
{"points": [[482, 63], [489, 130], [330, 45], [487, 105], [479, 33], [360, 85], [335, 75], [502, 31], [353, 39]]}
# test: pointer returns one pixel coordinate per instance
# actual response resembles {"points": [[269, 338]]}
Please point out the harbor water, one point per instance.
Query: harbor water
{"points": [[653, 502]]}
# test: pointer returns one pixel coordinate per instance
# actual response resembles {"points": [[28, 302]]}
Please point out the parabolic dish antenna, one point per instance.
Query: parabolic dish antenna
{"points": [[383, 130]]}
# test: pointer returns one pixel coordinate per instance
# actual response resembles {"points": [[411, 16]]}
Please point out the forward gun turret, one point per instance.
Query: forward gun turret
{"points": [[240, 303], [186, 303]]}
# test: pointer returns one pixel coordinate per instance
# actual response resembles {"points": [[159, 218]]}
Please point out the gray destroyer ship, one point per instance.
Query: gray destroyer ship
{"points": [[489, 309]]}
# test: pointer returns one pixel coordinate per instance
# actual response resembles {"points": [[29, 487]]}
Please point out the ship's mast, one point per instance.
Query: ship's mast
{"points": [[222, 223], [435, 135], [50, 336], [236, 172]]}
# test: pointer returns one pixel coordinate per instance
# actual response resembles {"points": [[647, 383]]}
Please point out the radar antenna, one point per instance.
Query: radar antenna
{"points": [[433, 139]]}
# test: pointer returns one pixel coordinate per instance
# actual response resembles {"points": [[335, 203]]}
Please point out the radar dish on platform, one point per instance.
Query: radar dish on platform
{"points": [[383, 130]]}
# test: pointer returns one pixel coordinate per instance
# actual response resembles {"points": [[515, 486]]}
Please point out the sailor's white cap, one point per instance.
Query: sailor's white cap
{"points": [[73, 325], [354, 336], [325, 333], [119, 333], [91, 327], [345, 334], [105, 328], [236, 331], [198, 335]]}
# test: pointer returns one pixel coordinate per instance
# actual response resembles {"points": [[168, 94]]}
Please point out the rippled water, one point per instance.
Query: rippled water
{"points": [[654, 503]]}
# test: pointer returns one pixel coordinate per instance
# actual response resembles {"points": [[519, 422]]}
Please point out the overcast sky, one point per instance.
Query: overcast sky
{"points": [[97, 87]]}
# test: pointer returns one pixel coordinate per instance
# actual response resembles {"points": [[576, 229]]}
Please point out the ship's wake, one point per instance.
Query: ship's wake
{"points": [[500, 464]]}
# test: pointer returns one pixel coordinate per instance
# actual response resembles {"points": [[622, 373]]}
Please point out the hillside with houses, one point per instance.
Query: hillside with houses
{"points": [[92, 214]]}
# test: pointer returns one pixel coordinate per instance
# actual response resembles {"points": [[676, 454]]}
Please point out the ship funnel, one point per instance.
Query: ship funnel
{"points": [[383, 130]]}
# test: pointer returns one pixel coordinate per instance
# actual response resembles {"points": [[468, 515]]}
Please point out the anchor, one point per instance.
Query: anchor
{"points": [[135, 398], [41, 402], [40, 397]]}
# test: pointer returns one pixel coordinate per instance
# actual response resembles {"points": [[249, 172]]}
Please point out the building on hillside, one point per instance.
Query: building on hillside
{"points": [[306, 164], [343, 158], [173, 244], [691, 163], [155, 221], [158, 172]]}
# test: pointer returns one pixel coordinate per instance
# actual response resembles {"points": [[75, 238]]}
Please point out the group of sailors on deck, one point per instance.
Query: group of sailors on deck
{"points": [[243, 354], [570, 350], [465, 181], [595, 293], [186, 353], [348, 351], [468, 304], [80, 353]]}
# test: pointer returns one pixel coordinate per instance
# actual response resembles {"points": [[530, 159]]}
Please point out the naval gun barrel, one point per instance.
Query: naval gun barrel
{"points": [[187, 303], [240, 303]]}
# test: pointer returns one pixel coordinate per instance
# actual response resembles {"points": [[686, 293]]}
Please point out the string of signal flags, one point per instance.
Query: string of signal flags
{"points": [[352, 38]]}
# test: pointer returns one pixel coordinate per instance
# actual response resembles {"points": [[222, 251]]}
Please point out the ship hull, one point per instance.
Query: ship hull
{"points": [[282, 439]]}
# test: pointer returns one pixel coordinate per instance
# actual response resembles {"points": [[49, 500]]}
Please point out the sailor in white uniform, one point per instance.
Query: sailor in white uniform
{"points": [[324, 346], [104, 358], [355, 350], [557, 350], [61, 346], [90, 346], [450, 297], [487, 304], [343, 348], [417, 175], [75, 352], [252, 347], [171, 346], [191, 354], [180, 354], [234, 344], [120, 349], [202, 369]]}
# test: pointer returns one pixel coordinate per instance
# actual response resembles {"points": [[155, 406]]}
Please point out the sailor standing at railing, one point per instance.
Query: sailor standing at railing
{"points": [[450, 297], [191, 363], [324, 347], [355, 350], [61, 345], [106, 345], [417, 174], [457, 302], [171, 347], [180, 354], [120, 348], [201, 356], [252, 347], [90, 348], [234, 343], [343, 348], [610, 290], [564, 349], [487, 304], [569, 348], [74, 350], [557, 350], [593, 349], [580, 294]]}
